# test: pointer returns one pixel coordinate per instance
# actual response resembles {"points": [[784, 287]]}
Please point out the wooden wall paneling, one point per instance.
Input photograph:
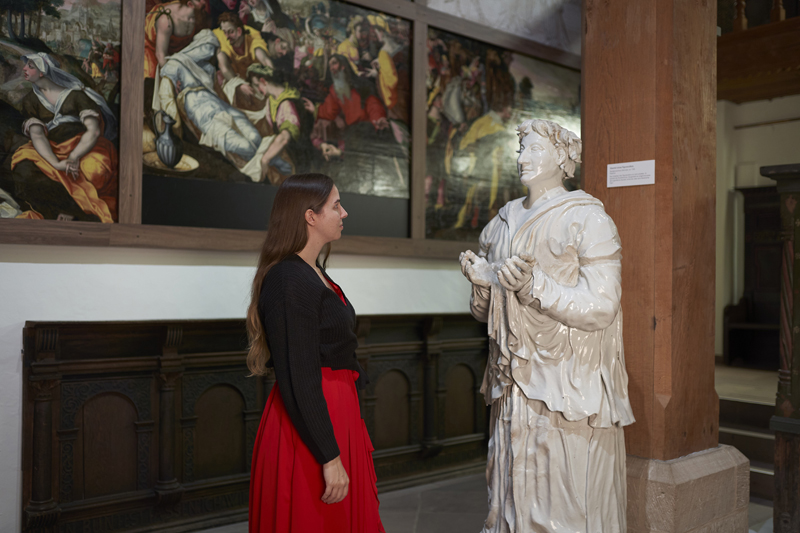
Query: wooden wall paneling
{"points": [[647, 96], [107, 434], [419, 128], [459, 409], [131, 109], [220, 411], [201, 366]]}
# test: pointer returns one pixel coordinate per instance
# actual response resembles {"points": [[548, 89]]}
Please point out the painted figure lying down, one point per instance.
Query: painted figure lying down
{"points": [[217, 124]]}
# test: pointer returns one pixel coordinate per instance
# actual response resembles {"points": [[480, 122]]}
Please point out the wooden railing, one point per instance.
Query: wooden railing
{"points": [[762, 62]]}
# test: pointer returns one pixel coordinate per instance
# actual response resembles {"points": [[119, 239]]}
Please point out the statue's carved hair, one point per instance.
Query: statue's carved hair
{"points": [[568, 145]]}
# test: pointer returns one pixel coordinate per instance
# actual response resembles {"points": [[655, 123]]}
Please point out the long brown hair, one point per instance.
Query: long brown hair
{"points": [[287, 234]]}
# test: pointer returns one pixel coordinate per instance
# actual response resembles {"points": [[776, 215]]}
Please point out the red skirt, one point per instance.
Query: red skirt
{"points": [[286, 483]]}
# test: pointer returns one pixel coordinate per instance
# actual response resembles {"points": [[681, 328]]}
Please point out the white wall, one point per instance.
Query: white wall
{"points": [[556, 23], [740, 155], [84, 284]]}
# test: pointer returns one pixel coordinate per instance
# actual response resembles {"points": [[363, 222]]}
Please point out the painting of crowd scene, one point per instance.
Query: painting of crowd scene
{"points": [[477, 94], [59, 103], [257, 90]]}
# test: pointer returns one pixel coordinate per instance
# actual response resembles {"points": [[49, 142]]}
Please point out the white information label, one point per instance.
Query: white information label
{"points": [[632, 173]]}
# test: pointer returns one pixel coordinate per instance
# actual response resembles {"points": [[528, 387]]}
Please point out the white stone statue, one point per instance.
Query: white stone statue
{"points": [[547, 282]]}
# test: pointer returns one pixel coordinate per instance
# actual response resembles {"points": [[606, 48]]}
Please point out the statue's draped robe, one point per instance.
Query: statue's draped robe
{"points": [[556, 376]]}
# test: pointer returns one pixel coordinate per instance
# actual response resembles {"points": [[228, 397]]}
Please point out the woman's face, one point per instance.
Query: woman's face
{"points": [[30, 72], [329, 224]]}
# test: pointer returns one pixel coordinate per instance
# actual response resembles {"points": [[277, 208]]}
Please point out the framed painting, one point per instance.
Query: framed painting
{"points": [[241, 94], [59, 110], [476, 95], [218, 101]]}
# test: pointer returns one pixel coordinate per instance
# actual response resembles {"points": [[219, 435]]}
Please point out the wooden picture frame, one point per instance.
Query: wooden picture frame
{"points": [[130, 232]]}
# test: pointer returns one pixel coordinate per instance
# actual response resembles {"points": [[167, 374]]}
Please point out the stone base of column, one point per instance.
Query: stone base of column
{"points": [[705, 492]]}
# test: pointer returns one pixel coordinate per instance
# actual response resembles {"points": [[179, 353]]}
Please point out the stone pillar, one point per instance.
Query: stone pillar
{"points": [[786, 422], [649, 93]]}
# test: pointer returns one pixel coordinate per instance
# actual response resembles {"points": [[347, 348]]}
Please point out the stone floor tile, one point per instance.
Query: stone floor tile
{"points": [[399, 501], [399, 521], [450, 522], [453, 502]]}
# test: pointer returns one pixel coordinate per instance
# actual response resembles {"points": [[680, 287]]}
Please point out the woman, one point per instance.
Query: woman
{"points": [[312, 466], [70, 129]]}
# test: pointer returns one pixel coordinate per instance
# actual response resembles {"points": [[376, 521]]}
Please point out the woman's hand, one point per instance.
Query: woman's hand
{"points": [[73, 167], [70, 167], [336, 481]]}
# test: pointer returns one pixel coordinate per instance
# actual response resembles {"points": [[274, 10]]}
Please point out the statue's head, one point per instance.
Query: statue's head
{"points": [[546, 150]]}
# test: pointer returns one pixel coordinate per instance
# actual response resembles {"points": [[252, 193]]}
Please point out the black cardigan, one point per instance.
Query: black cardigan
{"points": [[307, 327]]}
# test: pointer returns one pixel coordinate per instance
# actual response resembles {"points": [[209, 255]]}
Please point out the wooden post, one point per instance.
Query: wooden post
{"points": [[740, 20], [778, 13], [431, 352], [42, 511], [419, 125], [131, 112], [648, 94], [786, 422], [168, 488]]}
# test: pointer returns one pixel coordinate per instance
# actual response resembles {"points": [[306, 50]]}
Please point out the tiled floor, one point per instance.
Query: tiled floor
{"points": [[457, 505]]}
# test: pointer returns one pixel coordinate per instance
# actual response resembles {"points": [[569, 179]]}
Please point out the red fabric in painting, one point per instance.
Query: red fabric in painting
{"points": [[286, 481]]}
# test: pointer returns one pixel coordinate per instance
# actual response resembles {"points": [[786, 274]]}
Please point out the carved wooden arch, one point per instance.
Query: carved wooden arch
{"points": [[74, 396], [194, 385]]}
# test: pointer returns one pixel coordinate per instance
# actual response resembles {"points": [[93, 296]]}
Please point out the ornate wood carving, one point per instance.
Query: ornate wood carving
{"points": [[433, 400], [786, 422], [163, 369]]}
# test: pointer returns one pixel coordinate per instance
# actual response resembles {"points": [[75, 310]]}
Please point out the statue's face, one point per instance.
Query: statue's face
{"points": [[537, 157]]}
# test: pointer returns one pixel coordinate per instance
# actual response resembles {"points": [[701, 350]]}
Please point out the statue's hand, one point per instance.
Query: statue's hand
{"points": [[515, 274], [475, 269]]}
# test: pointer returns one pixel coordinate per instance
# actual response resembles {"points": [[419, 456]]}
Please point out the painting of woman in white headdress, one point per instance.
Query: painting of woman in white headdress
{"points": [[59, 87]]}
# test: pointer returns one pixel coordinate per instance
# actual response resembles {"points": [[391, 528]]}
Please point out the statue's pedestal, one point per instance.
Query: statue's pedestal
{"points": [[704, 492]]}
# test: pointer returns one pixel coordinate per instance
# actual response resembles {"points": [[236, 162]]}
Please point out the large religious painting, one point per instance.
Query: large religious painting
{"points": [[59, 109], [241, 94], [477, 94]]}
